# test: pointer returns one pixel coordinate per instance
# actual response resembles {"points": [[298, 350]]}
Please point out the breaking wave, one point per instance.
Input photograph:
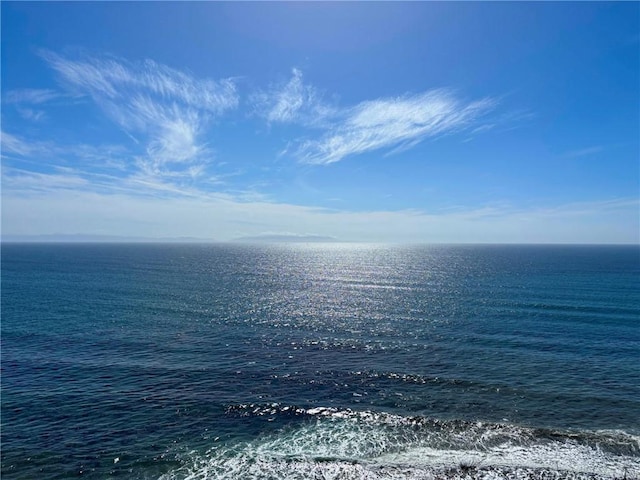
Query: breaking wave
{"points": [[336, 443]]}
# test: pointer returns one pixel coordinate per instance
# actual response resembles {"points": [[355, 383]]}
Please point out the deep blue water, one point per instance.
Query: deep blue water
{"points": [[318, 361]]}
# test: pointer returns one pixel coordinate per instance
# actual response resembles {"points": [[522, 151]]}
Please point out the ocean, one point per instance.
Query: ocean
{"points": [[319, 361]]}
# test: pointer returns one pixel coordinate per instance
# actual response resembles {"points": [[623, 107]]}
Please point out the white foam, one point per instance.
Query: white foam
{"points": [[554, 456], [344, 444]]}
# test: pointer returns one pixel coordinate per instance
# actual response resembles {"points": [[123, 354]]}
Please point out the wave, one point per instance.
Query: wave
{"points": [[346, 444]]}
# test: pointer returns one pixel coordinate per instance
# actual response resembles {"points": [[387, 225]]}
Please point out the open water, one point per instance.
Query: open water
{"points": [[320, 361]]}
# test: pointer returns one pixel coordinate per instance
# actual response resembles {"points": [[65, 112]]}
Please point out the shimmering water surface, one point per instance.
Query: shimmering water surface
{"points": [[320, 361]]}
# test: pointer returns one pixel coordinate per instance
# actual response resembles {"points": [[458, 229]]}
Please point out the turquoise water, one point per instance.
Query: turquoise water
{"points": [[319, 361]]}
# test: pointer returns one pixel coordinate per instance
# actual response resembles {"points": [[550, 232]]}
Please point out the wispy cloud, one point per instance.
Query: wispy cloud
{"points": [[32, 96], [36, 182], [292, 102], [32, 114], [499, 122], [394, 124], [115, 78], [399, 122], [54, 155], [583, 152], [168, 108], [25, 99], [12, 144], [587, 208]]}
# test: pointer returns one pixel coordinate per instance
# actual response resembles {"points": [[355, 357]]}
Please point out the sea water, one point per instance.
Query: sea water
{"points": [[320, 361]]}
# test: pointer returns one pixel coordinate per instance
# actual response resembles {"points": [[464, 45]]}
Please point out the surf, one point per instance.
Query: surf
{"points": [[326, 442]]}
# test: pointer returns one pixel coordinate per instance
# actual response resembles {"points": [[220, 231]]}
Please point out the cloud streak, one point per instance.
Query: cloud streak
{"points": [[584, 152], [399, 123], [26, 98], [385, 123], [292, 102], [168, 108], [47, 154], [13, 145], [31, 96], [113, 78]]}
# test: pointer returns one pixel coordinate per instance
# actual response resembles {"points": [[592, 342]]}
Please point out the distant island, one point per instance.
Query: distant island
{"points": [[286, 238]]}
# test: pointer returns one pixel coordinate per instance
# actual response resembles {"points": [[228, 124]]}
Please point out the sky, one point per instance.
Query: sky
{"points": [[419, 122]]}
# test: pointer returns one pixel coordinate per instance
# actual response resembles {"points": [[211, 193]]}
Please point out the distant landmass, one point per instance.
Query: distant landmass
{"points": [[286, 238], [85, 238]]}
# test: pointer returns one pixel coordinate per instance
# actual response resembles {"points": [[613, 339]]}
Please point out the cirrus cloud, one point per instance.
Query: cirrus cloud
{"points": [[383, 123], [293, 102], [168, 108], [393, 122]]}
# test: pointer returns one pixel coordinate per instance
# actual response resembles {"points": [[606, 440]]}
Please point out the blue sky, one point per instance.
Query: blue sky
{"points": [[391, 122]]}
